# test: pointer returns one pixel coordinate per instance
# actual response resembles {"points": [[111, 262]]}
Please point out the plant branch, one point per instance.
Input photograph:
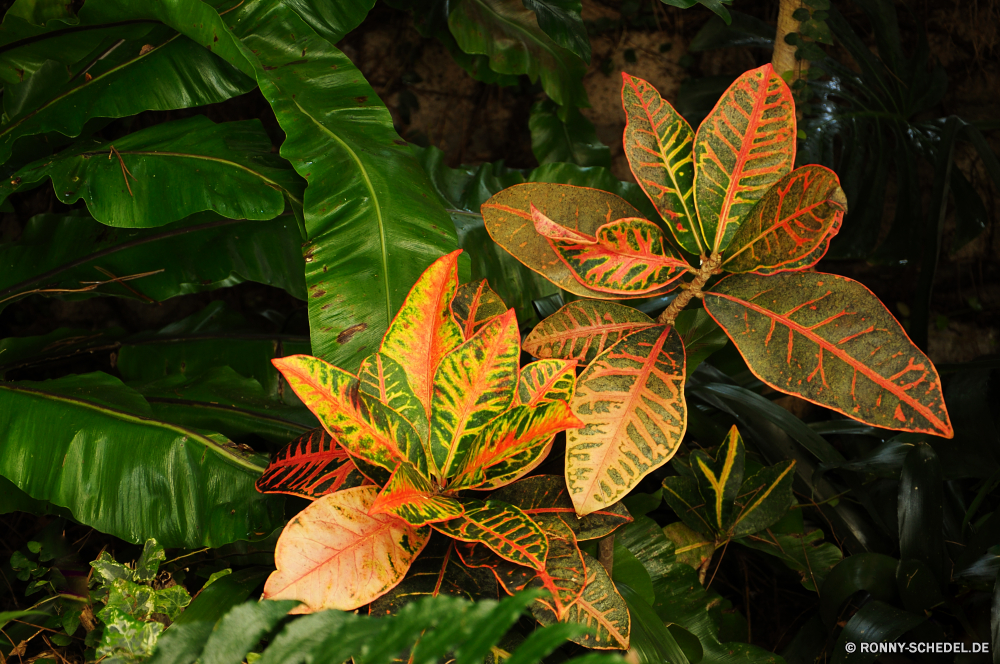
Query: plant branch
{"points": [[691, 289]]}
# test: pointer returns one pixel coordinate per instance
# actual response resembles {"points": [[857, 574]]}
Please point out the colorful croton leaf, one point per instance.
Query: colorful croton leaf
{"points": [[728, 194], [440, 410]]}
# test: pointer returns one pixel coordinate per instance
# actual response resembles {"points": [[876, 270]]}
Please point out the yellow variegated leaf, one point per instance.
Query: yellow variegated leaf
{"points": [[473, 384], [581, 330], [475, 305], [546, 380], [414, 499], [506, 530], [631, 401], [719, 479], [369, 430], [385, 379]]}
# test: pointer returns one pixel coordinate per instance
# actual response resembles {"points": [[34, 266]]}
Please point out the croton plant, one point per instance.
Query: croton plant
{"points": [[732, 203]]}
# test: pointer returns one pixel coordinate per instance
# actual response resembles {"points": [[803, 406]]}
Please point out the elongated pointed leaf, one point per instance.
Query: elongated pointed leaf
{"points": [[829, 340], [701, 335], [626, 256], [475, 304], [658, 147], [583, 329], [564, 135], [334, 555], [681, 492], [368, 429], [745, 145], [411, 497], [247, 181], [719, 479], [511, 577], [790, 228], [473, 384], [385, 379], [547, 495], [512, 444], [631, 401], [599, 607], [311, 466], [507, 216], [86, 442], [504, 529], [546, 380], [764, 498]]}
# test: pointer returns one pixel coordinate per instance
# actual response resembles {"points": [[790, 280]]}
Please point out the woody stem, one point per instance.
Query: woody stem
{"points": [[691, 289]]}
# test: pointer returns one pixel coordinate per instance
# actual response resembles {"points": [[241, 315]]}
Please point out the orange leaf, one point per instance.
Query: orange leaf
{"points": [[311, 466], [412, 498]]}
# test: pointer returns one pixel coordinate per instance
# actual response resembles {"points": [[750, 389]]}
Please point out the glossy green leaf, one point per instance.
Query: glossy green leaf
{"points": [[546, 380], [874, 573], [311, 466], [413, 498], [829, 340], [631, 401], [791, 226], [764, 498], [474, 305], [701, 335], [745, 145], [70, 253], [64, 437], [682, 494], [919, 588], [658, 147], [507, 216], [560, 19], [875, 623], [503, 528], [650, 639], [583, 329], [921, 510], [572, 141], [510, 35], [629, 571], [803, 552], [133, 182]]}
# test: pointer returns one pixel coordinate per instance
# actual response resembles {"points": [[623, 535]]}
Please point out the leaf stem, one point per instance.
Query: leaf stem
{"points": [[691, 289]]}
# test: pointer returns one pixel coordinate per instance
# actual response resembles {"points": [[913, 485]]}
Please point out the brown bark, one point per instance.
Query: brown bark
{"points": [[784, 54]]}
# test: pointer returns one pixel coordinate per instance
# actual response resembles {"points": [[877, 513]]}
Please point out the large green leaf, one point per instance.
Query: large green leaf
{"points": [[159, 175], [509, 34], [68, 253], [92, 445], [560, 19], [829, 340], [571, 141]]}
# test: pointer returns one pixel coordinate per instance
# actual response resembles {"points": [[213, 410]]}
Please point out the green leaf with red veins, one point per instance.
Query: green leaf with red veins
{"points": [[546, 380], [546, 495], [599, 607], [473, 384], [745, 145], [512, 445], [581, 330], [365, 427], [507, 216], [411, 497], [829, 340], [334, 555], [506, 530], [475, 305], [564, 574], [311, 466], [385, 379], [790, 228], [626, 256], [631, 401], [423, 330], [658, 147]]}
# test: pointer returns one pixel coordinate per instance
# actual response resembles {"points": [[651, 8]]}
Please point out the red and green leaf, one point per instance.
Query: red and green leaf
{"points": [[423, 330], [658, 147], [790, 228], [507, 216], [385, 379], [631, 401], [581, 330], [719, 479], [745, 145], [334, 555], [475, 305], [546, 380], [829, 340], [473, 384], [546, 495], [626, 256], [311, 466], [564, 573], [504, 529], [511, 577], [365, 427], [599, 607], [512, 445], [411, 497]]}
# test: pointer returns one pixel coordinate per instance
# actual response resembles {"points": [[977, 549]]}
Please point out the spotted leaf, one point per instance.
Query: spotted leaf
{"points": [[790, 228], [745, 145], [475, 305], [658, 147], [829, 340], [625, 256], [412, 498], [311, 466], [334, 555], [385, 379], [504, 529], [546, 380], [581, 330], [631, 401]]}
